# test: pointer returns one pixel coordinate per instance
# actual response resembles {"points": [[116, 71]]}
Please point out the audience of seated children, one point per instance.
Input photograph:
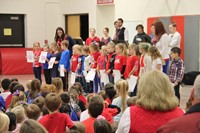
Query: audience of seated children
{"points": [[101, 64], [28, 87], [110, 92], [95, 109], [87, 63], [57, 55], [62, 120], [58, 84], [31, 126], [47, 72], [176, 70], [94, 51], [131, 101], [157, 60], [145, 60], [5, 85], [4, 122], [37, 66], [156, 105], [110, 59], [33, 112], [80, 92]]}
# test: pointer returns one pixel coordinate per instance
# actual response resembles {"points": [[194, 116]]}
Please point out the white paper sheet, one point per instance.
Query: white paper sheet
{"points": [[104, 77], [117, 75], [51, 62], [91, 74], [73, 77], [62, 73], [132, 81], [29, 56], [43, 56]]}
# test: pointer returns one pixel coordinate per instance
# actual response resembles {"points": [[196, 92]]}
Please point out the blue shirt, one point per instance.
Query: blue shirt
{"points": [[65, 60], [45, 65]]}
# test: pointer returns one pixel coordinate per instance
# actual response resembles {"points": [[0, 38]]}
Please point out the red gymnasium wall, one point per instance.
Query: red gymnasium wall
{"points": [[13, 61], [180, 27]]}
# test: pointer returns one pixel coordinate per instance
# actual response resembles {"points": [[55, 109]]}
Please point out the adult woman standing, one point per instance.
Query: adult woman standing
{"points": [[161, 40], [61, 36], [106, 39], [93, 38], [155, 106]]}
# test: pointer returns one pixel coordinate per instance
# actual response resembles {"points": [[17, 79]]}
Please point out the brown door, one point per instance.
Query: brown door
{"points": [[74, 26]]}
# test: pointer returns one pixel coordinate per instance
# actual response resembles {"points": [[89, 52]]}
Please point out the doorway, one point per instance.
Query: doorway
{"points": [[77, 25], [12, 30]]}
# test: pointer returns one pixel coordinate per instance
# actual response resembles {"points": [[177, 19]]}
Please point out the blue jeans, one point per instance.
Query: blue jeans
{"points": [[37, 73], [96, 83], [165, 67]]}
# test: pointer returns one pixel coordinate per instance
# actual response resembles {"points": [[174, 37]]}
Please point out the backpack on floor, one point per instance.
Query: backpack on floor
{"points": [[190, 77]]}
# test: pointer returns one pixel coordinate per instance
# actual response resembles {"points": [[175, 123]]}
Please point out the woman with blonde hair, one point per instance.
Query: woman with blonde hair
{"points": [[120, 101], [156, 104], [4, 122], [59, 85]]}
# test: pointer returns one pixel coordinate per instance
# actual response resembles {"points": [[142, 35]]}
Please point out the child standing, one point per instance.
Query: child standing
{"points": [[80, 68], [87, 63], [74, 58], [47, 72], [62, 120], [120, 101], [157, 61], [132, 63], [101, 63], [145, 60], [110, 59], [94, 49], [65, 60], [54, 48], [176, 71], [37, 67], [120, 58]]}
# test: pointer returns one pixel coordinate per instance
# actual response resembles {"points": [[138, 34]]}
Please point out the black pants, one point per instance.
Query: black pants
{"points": [[47, 75], [177, 91], [37, 73], [65, 81]]}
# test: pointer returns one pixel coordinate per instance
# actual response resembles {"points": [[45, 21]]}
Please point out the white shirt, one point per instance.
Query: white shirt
{"points": [[87, 62], [124, 123], [156, 62], [174, 40], [84, 115], [5, 95], [118, 102], [163, 46]]}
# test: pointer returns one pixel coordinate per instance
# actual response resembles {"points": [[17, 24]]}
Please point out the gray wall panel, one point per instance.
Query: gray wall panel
{"points": [[166, 21]]}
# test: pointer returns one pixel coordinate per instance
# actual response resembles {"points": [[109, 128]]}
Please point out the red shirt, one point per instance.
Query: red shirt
{"points": [[94, 60], [36, 59], [74, 62], [109, 113], [101, 62], [8, 100], [108, 61], [150, 120], [90, 40], [82, 98], [89, 125], [120, 61], [56, 123], [132, 61], [108, 100], [142, 61]]}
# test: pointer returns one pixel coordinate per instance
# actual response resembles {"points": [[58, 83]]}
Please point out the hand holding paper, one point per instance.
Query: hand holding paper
{"points": [[29, 56], [132, 81], [117, 75], [51, 62], [43, 56]]}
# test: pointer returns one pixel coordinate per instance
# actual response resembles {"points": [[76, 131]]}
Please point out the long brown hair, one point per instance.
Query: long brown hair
{"points": [[154, 53], [123, 47], [35, 88], [159, 29]]}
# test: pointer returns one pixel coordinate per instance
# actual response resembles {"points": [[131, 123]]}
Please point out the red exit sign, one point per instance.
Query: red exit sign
{"points": [[105, 1]]}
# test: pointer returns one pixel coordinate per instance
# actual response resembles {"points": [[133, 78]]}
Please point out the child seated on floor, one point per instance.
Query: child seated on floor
{"points": [[62, 120]]}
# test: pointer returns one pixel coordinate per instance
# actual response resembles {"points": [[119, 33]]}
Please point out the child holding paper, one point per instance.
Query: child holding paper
{"points": [[54, 48], [132, 63], [47, 72], [157, 60], [101, 63], [120, 58], [74, 58], [145, 60], [65, 60], [87, 63], [110, 59], [94, 50], [37, 67], [80, 67]]}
